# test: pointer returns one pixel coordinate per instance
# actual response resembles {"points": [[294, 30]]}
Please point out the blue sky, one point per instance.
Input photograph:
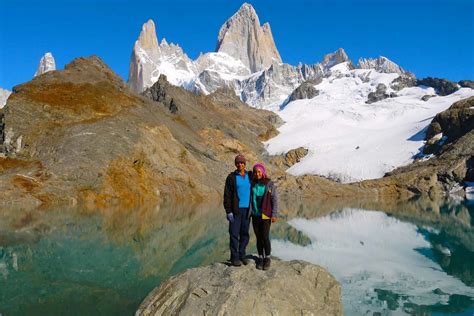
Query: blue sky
{"points": [[429, 38]]}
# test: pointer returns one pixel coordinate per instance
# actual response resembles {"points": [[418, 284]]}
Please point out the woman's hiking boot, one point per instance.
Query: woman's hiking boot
{"points": [[266, 263]]}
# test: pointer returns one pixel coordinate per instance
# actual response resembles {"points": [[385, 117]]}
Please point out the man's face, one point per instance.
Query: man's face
{"points": [[240, 166]]}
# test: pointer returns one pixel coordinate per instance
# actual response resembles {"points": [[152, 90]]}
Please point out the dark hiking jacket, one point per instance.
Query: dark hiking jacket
{"points": [[231, 199]]}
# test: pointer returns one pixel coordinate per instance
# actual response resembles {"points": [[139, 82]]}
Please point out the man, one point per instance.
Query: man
{"points": [[236, 205]]}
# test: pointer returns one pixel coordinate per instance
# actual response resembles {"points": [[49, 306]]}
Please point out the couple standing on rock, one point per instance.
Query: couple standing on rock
{"points": [[250, 195]]}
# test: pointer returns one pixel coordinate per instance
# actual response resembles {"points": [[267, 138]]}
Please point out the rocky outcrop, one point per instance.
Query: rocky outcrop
{"points": [[243, 38], [441, 86], [381, 64], [405, 80], [466, 84], [306, 90], [379, 94], [332, 59], [426, 97], [157, 92], [290, 158], [47, 63], [219, 289], [449, 125]]}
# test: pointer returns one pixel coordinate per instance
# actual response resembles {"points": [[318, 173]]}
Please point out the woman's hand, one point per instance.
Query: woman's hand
{"points": [[274, 219]]}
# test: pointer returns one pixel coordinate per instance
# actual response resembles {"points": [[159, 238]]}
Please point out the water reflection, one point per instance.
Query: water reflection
{"points": [[388, 264], [77, 261]]}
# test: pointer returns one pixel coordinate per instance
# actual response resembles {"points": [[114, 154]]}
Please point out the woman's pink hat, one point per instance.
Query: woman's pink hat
{"points": [[260, 166]]}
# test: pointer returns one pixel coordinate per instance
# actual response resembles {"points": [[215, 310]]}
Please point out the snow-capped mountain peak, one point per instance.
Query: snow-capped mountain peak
{"points": [[47, 63], [150, 59], [381, 64], [4, 94]]}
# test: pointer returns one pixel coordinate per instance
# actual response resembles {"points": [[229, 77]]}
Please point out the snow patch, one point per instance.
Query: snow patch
{"points": [[349, 140]]}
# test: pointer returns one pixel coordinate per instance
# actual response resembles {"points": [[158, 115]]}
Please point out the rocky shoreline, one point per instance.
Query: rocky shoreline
{"points": [[289, 288]]}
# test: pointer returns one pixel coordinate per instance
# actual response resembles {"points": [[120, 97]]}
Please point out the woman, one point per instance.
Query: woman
{"points": [[264, 211]]}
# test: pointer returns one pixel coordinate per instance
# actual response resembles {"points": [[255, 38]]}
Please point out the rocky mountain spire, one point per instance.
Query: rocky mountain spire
{"points": [[243, 38], [335, 58], [46, 64], [381, 64], [145, 56], [150, 59]]}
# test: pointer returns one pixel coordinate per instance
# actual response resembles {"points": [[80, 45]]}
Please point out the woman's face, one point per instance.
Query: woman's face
{"points": [[258, 174]]}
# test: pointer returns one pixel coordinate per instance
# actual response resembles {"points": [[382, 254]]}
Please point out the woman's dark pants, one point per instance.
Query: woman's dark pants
{"points": [[239, 234], [261, 227]]}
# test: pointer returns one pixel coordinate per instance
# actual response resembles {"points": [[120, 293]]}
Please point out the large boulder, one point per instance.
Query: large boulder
{"points": [[288, 288], [450, 125]]}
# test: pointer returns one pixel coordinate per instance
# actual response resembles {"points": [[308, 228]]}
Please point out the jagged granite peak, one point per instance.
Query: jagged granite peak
{"points": [[332, 59], [150, 59], [147, 38], [47, 63], [243, 38], [144, 59], [381, 64], [4, 94]]}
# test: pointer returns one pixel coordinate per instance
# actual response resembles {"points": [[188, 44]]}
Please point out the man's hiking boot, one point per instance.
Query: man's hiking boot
{"points": [[266, 263], [259, 264], [245, 261], [236, 263]]}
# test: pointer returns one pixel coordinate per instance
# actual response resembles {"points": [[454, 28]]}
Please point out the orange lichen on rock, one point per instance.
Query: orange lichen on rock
{"points": [[127, 182], [101, 98]]}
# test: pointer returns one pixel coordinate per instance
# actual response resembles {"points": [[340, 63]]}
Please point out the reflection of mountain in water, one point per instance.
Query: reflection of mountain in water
{"points": [[105, 262], [386, 264]]}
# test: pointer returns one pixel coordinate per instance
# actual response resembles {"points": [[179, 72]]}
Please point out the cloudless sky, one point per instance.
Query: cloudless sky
{"points": [[430, 38]]}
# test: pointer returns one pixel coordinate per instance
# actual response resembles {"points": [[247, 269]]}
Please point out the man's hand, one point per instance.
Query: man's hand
{"points": [[274, 219], [230, 217]]}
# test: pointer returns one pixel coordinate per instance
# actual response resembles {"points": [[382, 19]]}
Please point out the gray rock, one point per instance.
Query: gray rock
{"points": [[306, 90], [379, 94], [466, 84], [406, 80], [288, 288], [426, 97], [450, 125], [157, 92], [442, 86]]}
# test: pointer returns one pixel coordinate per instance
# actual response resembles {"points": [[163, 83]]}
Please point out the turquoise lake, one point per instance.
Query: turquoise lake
{"points": [[406, 258]]}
